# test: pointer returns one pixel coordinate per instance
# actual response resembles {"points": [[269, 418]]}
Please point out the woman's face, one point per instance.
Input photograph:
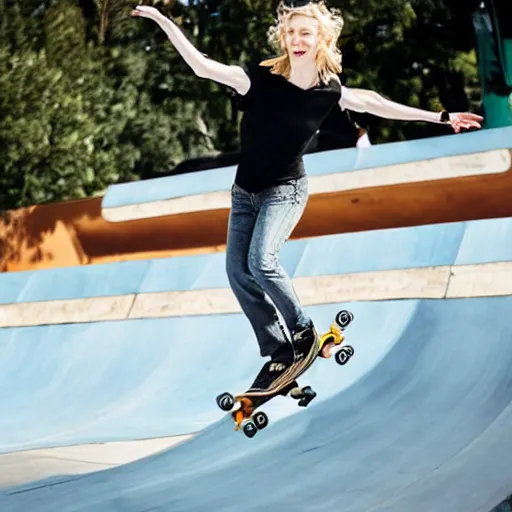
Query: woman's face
{"points": [[302, 38]]}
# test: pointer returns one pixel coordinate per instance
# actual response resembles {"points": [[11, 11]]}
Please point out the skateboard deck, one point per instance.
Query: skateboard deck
{"points": [[244, 405]]}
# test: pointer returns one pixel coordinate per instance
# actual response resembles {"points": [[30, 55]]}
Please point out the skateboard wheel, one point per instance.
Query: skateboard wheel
{"points": [[225, 401], [342, 357], [307, 396], [343, 318], [249, 429], [261, 420], [296, 393]]}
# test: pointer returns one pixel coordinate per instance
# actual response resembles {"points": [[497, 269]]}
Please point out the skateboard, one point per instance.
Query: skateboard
{"points": [[243, 406]]}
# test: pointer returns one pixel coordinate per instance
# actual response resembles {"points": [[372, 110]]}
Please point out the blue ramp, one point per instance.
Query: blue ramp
{"points": [[429, 427], [317, 164], [111, 381], [421, 416]]}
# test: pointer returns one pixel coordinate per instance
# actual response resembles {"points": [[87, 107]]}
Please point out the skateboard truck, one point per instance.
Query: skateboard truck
{"points": [[246, 421], [303, 395], [242, 413], [335, 336]]}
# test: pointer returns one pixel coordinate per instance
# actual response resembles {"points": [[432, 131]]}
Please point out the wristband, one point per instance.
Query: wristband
{"points": [[445, 117]]}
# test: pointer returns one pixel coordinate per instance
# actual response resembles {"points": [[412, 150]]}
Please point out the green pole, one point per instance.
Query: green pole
{"points": [[494, 46]]}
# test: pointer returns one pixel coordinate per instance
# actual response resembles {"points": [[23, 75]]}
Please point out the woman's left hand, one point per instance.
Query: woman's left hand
{"points": [[465, 120]]}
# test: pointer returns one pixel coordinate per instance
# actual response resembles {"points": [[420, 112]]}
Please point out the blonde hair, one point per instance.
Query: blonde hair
{"points": [[328, 56]]}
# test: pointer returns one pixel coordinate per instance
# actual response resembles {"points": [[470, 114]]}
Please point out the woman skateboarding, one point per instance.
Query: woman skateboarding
{"points": [[284, 101]]}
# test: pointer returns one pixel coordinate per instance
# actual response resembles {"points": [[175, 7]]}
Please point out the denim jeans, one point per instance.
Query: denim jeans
{"points": [[259, 225]]}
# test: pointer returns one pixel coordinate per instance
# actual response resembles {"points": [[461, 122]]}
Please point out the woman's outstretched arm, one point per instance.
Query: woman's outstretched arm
{"points": [[203, 67], [362, 100]]}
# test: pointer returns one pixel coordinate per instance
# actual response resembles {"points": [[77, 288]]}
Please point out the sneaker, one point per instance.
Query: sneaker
{"points": [[306, 344], [269, 375]]}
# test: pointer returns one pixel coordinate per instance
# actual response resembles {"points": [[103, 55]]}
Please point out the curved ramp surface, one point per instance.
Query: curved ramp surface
{"points": [[420, 417], [428, 427], [111, 381]]}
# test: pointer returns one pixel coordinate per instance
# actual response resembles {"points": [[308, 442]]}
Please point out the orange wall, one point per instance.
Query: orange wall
{"points": [[75, 233]]}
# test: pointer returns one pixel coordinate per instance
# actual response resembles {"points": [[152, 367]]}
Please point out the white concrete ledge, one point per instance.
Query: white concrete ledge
{"points": [[416, 283], [484, 280], [460, 281], [94, 309], [459, 166], [425, 283], [214, 301], [175, 206]]}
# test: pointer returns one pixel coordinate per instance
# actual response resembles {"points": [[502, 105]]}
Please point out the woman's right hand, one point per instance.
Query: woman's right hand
{"points": [[146, 11]]}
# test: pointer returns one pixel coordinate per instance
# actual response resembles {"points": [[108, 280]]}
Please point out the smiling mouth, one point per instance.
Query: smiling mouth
{"points": [[298, 54]]}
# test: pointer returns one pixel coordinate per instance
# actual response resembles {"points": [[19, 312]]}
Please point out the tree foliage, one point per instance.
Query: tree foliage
{"points": [[90, 96]]}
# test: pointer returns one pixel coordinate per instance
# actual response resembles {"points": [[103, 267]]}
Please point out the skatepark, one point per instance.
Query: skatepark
{"points": [[110, 362]]}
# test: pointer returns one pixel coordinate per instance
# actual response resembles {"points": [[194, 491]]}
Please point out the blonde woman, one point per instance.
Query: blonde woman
{"points": [[284, 100]]}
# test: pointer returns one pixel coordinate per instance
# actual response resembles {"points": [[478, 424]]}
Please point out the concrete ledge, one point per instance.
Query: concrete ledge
{"points": [[214, 301], [415, 283], [485, 280], [424, 283], [94, 309], [175, 206], [459, 166], [460, 281]]}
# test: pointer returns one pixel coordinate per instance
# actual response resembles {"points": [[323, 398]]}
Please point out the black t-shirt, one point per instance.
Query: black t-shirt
{"points": [[279, 120]]}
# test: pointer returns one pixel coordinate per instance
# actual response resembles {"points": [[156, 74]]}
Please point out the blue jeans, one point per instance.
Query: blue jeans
{"points": [[259, 225]]}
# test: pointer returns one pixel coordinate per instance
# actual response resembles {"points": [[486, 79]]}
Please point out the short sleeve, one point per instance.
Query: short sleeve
{"points": [[255, 73]]}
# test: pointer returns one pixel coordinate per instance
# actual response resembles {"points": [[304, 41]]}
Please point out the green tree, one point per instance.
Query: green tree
{"points": [[89, 96], [420, 53], [60, 116]]}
